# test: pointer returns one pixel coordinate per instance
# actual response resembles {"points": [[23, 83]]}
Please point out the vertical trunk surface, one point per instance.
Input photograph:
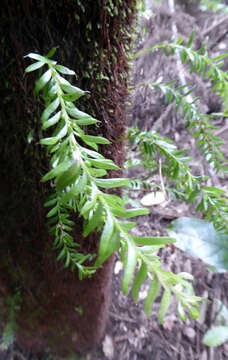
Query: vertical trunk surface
{"points": [[53, 307]]}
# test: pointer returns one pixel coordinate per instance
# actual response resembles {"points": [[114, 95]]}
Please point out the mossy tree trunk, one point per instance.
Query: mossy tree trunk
{"points": [[93, 39]]}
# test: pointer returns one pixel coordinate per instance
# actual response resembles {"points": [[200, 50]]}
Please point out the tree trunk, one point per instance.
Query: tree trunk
{"points": [[53, 307]]}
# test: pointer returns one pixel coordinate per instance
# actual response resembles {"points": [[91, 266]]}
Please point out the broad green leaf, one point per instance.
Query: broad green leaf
{"points": [[62, 132], [138, 281], [62, 254], [72, 92], [88, 121], [42, 81], [181, 311], [34, 66], [50, 109], [95, 139], [50, 202], [72, 97], [194, 313], [153, 240], [220, 57], [82, 117], [97, 172], [114, 200], [92, 153], [68, 177], [64, 70], [52, 121], [129, 265], [165, 303], [127, 225], [57, 171], [91, 144], [94, 221], [38, 57], [111, 183], [152, 295], [49, 141], [51, 52], [87, 207], [127, 214], [105, 240], [90, 203], [75, 189], [114, 244], [216, 336], [200, 239], [104, 164], [53, 211]]}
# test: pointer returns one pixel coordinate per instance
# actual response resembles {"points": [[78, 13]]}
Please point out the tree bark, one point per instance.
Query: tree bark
{"points": [[55, 308]]}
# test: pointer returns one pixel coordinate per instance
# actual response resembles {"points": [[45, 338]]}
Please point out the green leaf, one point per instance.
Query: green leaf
{"points": [[165, 303], [34, 66], [105, 240], [82, 117], [104, 164], [58, 170], [189, 43], [49, 141], [52, 121], [113, 200], [153, 240], [42, 81], [129, 265], [127, 214], [38, 57], [138, 281], [97, 172], [51, 52], [127, 225], [152, 295], [111, 183], [90, 203], [68, 177], [95, 139], [50, 109], [75, 189], [62, 132], [53, 211], [200, 239], [64, 70], [94, 221], [62, 254], [194, 313], [88, 121], [50, 202], [216, 336], [181, 311], [73, 92]]}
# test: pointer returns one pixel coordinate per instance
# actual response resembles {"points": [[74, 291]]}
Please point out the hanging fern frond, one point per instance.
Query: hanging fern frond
{"points": [[211, 201], [77, 177]]}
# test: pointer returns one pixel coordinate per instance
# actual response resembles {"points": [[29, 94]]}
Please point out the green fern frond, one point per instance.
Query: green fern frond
{"points": [[77, 177]]}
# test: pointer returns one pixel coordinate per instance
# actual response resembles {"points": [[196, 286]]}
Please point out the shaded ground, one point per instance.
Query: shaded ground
{"points": [[130, 335]]}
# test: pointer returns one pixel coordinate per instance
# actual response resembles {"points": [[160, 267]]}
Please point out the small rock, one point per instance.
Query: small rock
{"points": [[153, 198], [189, 332], [108, 347], [118, 267]]}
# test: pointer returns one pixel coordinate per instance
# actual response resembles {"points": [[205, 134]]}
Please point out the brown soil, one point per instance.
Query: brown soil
{"points": [[130, 335]]}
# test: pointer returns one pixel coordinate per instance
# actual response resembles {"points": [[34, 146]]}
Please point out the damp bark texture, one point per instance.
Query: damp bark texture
{"points": [[55, 309]]}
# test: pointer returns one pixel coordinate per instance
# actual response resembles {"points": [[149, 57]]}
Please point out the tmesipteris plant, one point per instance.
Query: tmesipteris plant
{"points": [[77, 171], [210, 200]]}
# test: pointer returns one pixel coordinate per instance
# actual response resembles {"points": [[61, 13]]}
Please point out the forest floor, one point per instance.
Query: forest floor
{"points": [[130, 334]]}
